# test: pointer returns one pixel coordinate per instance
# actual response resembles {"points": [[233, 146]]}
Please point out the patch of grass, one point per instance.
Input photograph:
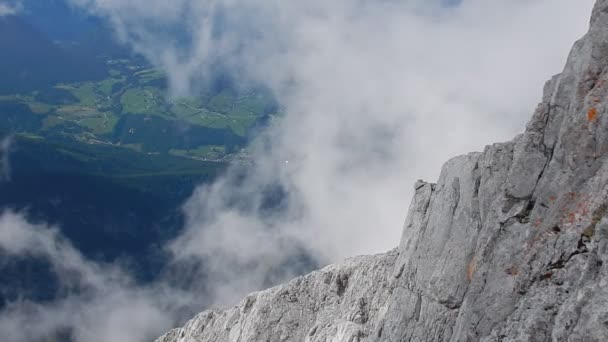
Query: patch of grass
{"points": [[30, 136], [84, 92], [240, 125], [208, 119], [251, 105], [150, 74], [196, 102], [184, 110], [222, 102], [201, 152], [40, 108], [106, 86], [141, 101], [76, 112], [51, 122], [101, 124]]}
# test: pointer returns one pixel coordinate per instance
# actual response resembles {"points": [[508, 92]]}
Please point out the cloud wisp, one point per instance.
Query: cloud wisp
{"points": [[9, 8], [99, 302], [375, 95]]}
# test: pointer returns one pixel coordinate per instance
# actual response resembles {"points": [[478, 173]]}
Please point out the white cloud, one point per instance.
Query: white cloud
{"points": [[101, 303], [9, 8]]}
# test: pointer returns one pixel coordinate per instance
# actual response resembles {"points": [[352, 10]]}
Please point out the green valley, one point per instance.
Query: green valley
{"points": [[132, 109]]}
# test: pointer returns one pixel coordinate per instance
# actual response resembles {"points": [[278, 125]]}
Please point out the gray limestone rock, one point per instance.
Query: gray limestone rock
{"points": [[511, 244]]}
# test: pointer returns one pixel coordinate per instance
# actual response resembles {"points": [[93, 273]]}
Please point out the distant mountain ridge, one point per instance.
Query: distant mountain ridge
{"points": [[511, 244]]}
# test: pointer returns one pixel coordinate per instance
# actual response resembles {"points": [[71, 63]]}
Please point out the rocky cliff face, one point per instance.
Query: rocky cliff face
{"points": [[511, 244]]}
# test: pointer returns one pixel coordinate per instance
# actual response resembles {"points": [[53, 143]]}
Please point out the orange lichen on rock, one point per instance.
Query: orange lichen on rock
{"points": [[582, 208], [592, 114], [571, 217], [471, 269]]}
